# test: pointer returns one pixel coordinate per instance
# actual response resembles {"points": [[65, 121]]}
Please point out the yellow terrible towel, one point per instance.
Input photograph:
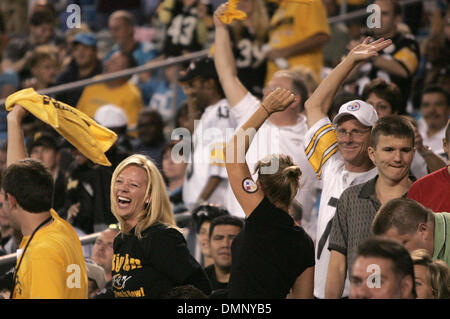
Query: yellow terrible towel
{"points": [[232, 13], [89, 137]]}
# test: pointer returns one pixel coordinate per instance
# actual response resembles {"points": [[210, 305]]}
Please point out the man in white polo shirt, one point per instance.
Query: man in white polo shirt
{"points": [[282, 133], [338, 151]]}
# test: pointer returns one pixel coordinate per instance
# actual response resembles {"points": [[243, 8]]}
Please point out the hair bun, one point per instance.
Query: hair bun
{"points": [[292, 171]]}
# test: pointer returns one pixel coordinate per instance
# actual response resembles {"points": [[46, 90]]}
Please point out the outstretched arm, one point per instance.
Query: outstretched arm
{"points": [[237, 147], [225, 62], [209, 188], [16, 141], [319, 103], [390, 66]]}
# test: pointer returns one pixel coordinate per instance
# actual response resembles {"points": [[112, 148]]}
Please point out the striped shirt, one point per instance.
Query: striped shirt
{"points": [[321, 150]]}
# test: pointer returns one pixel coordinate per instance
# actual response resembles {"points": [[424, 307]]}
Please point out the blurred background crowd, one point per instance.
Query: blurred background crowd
{"points": [[39, 49]]}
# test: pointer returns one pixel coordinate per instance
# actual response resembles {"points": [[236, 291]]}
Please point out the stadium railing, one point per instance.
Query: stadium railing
{"points": [[89, 239]]}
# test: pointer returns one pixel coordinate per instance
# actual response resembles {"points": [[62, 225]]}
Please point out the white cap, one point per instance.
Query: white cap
{"points": [[362, 111], [111, 116]]}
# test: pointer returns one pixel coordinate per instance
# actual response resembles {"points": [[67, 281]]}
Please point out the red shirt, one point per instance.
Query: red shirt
{"points": [[433, 190]]}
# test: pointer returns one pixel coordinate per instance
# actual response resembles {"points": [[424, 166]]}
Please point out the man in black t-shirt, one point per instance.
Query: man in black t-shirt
{"points": [[186, 31], [222, 231]]}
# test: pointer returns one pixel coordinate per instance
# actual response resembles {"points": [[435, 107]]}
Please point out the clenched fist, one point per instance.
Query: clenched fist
{"points": [[278, 100]]}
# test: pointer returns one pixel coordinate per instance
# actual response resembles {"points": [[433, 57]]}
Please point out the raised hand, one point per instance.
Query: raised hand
{"points": [[18, 113], [230, 13], [418, 141], [278, 100], [366, 50], [73, 211], [220, 11]]}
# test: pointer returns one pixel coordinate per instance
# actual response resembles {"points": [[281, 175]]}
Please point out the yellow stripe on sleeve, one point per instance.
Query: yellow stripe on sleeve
{"points": [[325, 159], [321, 151], [313, 139], [408, 58]]}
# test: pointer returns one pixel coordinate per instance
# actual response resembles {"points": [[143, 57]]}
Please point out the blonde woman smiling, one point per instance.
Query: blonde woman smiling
{"points": [[150, 253]]}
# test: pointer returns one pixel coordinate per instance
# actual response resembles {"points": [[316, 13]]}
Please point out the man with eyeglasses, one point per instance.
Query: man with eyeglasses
{"points": [[338, 151]]}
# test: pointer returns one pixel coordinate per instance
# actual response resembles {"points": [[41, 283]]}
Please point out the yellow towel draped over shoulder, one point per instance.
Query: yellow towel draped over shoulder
{"points": [[89, 137]]}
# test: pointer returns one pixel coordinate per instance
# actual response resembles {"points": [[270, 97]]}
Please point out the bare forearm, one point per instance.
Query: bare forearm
{"points": [[335, 276], [226, 67], [335, 284], [16, 142], [210, 187], [433, 161], [244, 134], [224, 60], [319, 103], [304, 285], [390, 66], [223, 55]]}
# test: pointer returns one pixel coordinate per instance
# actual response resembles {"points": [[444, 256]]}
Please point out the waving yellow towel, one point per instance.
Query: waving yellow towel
{"points": [[232, 13], [89, 137]]}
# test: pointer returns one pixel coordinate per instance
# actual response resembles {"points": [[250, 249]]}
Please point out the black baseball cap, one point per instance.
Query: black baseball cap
{"points": [[45, 140], [204, 213], [203, 67]]}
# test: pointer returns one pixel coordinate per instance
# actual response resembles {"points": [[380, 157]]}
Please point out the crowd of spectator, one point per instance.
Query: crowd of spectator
{"points": [[367, 130]]}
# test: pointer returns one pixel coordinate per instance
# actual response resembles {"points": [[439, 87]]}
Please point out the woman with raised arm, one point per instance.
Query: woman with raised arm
{"points": [[271, 256]]}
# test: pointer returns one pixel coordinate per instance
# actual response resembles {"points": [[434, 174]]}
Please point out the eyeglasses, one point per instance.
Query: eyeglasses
{"points": [[353, 133]]}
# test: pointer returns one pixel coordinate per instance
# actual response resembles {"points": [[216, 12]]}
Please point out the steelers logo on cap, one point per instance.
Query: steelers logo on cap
{"points": [[353, 106], [249, 185]]}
